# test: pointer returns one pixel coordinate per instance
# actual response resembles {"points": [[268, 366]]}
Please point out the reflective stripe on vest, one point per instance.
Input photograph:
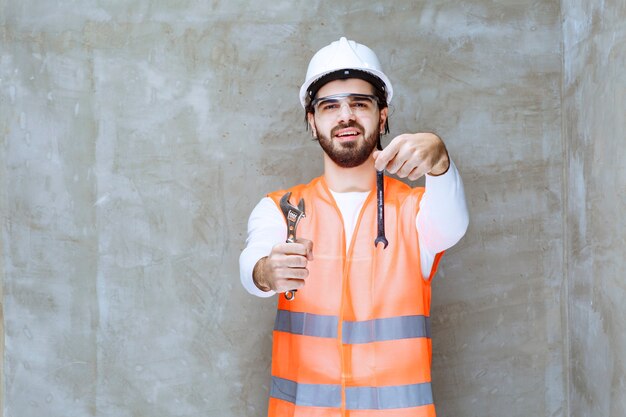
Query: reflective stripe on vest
{"points": [[314, 395], [354, 332], [357, 398], [306, 324], [380, 330]]}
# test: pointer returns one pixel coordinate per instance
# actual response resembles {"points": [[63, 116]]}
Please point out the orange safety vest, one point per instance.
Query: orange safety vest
{"points": [[355, 341]]}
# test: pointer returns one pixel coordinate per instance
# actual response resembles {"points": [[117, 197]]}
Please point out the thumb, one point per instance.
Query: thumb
{"points": [[309, 252], [308, 245], [375, 154]]}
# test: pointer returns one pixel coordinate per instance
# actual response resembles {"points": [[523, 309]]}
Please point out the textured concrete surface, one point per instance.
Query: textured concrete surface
{"points": [[491, 86], [594, 109], [137, 137]]}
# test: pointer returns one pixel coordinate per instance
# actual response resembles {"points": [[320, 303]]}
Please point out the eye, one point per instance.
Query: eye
{"points": [[361, 105], [329, 106]]}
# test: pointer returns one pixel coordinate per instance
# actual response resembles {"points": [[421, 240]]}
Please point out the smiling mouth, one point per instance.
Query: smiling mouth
{"points": [[348, 135], [347, 132]]}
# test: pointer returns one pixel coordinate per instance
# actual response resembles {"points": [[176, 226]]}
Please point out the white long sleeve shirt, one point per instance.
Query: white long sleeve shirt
{"points": [[441, 222]]}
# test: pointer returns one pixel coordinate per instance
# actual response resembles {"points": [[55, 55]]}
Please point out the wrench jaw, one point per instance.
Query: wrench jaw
{"points": [[381, 239], [293, 215]]}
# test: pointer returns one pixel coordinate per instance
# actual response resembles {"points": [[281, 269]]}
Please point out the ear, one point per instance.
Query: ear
{"points": [[383, 119], [311, 118]]}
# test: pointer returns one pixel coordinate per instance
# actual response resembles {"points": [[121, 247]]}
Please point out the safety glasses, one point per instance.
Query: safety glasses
{"points": [[357, 104]]}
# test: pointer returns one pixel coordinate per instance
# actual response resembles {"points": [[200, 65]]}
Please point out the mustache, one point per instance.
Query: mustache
{"points": [[345, 126]]}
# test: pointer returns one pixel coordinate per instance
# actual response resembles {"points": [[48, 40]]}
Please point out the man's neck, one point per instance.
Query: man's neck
{"points": [[344, 180]]}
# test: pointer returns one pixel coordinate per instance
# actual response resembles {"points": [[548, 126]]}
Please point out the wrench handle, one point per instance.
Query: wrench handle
{"points": [[380, 196], [291, 238]]}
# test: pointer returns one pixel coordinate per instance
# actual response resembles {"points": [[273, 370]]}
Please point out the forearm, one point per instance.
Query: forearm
{"points": [[443, 217], [259, 275]]}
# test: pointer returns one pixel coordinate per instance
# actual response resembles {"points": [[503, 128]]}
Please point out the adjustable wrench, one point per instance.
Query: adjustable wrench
{"points": [[292, 216]]}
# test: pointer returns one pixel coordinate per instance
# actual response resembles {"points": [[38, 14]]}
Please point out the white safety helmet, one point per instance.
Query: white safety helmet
{"points": [[343, 55]]}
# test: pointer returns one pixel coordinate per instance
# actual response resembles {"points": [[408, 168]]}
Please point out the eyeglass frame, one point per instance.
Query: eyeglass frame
{"points": [[374, 99]]}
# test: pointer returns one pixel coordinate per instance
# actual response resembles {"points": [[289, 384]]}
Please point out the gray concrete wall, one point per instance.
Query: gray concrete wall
{"points": [[137, 137], [494, 71], [594, 109]]}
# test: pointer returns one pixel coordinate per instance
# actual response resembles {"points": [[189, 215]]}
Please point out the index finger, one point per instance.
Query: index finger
{"points": [[386, 155], [297, 248]]}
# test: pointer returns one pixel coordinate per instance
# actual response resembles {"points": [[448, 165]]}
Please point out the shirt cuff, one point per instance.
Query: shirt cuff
{"points": [[446, 178]]}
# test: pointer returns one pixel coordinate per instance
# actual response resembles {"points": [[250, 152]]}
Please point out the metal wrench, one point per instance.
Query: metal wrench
{"points": [[293, 215], [380, 195]]}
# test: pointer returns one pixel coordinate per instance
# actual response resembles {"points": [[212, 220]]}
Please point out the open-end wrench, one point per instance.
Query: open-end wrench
{"points": [[293, 215], [380, 195]]}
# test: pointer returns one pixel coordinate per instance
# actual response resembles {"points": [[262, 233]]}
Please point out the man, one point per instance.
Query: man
{"points": [[355, 340]]}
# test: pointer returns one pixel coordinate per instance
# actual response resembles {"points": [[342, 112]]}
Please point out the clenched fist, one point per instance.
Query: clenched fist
{"points": [[285, 268], [413, 155]]}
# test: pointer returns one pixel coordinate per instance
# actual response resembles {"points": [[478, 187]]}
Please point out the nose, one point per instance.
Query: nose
{"points": [[345, 112]]}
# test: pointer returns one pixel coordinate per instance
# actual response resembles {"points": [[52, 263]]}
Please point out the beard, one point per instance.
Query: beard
{"points": [[348, 154]]}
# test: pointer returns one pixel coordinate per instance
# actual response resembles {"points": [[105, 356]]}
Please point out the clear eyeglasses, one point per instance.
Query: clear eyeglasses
{"points": [[357, 104]]}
